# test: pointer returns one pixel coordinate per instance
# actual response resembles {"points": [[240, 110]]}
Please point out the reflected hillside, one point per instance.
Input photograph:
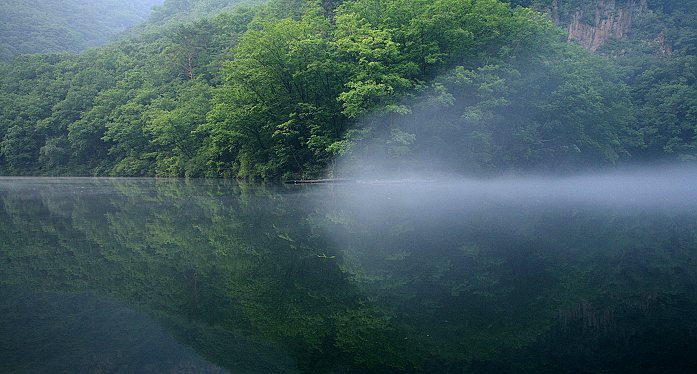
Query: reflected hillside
{"points": [[430, 277], [50, 332]]}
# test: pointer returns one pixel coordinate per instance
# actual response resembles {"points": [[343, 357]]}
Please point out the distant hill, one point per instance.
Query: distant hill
{"points": [[46, 26]]}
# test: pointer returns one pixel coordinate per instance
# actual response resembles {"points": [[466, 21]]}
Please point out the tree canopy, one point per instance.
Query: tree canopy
{"points": [[287, 88]]}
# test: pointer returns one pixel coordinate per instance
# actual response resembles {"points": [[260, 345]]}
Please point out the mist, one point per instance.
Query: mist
{"points": [[664, 186]]}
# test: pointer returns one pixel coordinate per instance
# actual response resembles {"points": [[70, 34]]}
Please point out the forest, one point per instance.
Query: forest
{"points": [[290, 88], [49, 26]]}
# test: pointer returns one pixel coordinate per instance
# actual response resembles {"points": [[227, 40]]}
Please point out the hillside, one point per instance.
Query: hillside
{"points": [[45, 26], [654, 44], [291, 87], [178, 11], [624, 26]]}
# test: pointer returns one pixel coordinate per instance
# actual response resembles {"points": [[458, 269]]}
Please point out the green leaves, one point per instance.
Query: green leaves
{"points": [[281, 90]]}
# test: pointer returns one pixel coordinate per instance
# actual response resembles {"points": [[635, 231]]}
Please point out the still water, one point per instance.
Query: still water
{"points": [[587, 274]]}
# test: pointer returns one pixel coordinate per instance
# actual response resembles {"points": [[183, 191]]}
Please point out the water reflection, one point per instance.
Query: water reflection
{"points": [[354, 278], [51, 332]]}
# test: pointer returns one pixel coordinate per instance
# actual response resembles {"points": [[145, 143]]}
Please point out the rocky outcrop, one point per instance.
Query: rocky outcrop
{"points": [[664, 48], [592, 26]]}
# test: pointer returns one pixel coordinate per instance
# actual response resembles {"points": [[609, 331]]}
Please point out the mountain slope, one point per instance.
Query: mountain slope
{"points": [[178, 11], [643, 26], [45, 26], [286, 88]]}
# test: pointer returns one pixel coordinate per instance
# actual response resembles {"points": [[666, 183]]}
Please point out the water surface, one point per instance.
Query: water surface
{"points": [[582, 274]]}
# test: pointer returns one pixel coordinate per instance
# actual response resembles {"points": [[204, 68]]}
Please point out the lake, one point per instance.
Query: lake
{"points": [[594, 273]]}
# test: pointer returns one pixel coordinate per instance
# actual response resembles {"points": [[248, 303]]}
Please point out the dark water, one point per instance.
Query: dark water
{"points": [[588, 274]]}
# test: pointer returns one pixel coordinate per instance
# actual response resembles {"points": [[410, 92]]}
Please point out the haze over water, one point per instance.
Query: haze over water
{"points": [[588, 273]]}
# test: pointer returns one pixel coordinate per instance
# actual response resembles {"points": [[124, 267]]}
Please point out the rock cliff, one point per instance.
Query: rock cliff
{"points": [[591, 25]]}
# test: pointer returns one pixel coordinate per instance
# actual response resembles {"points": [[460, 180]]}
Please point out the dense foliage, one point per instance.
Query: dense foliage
{"points": [[44, 26], [287, 88], [659, 63], [177, 11]]}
